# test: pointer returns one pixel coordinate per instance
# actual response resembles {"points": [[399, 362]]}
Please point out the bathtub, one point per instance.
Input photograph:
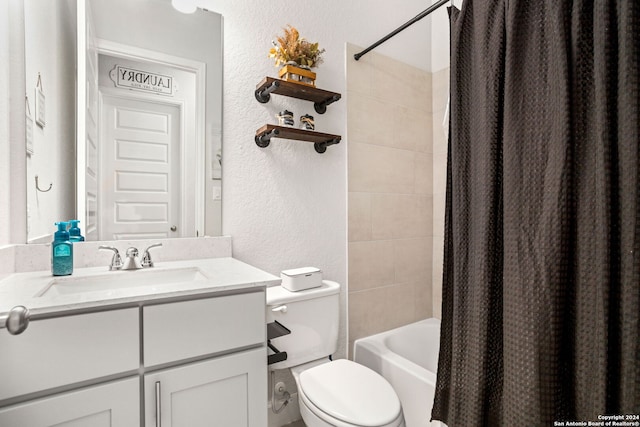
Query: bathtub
{"points": [[408, 358]]}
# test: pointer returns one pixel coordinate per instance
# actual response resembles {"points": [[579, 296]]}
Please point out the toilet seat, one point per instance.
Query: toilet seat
{"points": [[308, 409], [346, 394]]}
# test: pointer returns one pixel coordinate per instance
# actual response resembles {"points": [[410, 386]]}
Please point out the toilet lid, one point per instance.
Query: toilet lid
{"points": [[351, 393]]}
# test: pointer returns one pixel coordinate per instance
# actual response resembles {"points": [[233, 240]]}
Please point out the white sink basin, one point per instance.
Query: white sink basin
{"points": [[118, 280]]}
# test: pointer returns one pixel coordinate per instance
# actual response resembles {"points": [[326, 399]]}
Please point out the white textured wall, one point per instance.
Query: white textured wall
{"points": [[5, 169], [13, 200], [285, 205], [50, 52]]}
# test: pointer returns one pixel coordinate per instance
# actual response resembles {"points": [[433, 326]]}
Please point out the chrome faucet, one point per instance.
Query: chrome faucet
{"points": [[132, 260], [116, 261]]}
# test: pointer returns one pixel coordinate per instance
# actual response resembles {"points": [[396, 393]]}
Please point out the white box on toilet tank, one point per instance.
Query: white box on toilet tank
{"points": [[299, 279]]}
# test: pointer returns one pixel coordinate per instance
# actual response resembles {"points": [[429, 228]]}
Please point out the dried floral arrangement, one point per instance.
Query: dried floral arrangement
{"points": [[290, 47]]}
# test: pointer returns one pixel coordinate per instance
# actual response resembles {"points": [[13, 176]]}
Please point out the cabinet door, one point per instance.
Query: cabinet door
{"points": [[115, 404], [225, 391]]}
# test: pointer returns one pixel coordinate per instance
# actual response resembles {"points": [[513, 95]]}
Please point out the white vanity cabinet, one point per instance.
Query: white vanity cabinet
{"points": [[193, 362]]}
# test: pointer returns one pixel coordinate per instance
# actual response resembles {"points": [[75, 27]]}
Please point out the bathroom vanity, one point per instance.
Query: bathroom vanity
{"points": [[173, 354]]}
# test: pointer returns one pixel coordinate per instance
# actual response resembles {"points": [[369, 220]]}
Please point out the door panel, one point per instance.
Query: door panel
{"points": [[140, 167]]}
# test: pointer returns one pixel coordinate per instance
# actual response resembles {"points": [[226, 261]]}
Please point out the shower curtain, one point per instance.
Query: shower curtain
{"points": [[541, 300]]}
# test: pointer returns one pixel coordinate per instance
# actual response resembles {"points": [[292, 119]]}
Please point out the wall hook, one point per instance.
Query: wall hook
{"points": [[41, 190]]}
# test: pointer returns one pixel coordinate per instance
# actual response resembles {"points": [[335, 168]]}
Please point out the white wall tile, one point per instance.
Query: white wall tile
{"points": [[413, 259], [380, 169], [371, 264], [380, 309], [370, 120], [360, 80], [400, 216], [436, 281], [439, 202], [411, 129], [423, 299], [439, 172], [424, 173], [359, 216], [390, 275], [440, 141], [440, 82], [396, 81]]}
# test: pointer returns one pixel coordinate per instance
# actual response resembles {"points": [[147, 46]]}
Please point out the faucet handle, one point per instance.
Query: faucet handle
{"points": [[116, 261], [146, 256]]}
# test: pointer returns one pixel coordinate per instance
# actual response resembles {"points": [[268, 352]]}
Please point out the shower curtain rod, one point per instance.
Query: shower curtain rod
{"points": [[432, 8]]}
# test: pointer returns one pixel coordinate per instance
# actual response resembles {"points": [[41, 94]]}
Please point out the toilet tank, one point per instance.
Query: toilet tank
{"points": [[311, 315]]}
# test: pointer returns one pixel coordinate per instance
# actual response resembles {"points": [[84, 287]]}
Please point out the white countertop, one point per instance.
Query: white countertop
{"points": [[222, 274]]}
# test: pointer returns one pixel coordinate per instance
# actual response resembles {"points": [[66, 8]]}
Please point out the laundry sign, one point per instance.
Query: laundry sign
{"points": [[131, 78]]}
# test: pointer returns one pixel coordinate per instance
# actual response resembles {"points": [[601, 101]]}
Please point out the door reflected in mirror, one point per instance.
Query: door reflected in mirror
{"points": [[147, 158]]}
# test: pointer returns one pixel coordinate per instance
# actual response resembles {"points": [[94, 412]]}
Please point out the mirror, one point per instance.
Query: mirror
{"points": [[146, 162]]}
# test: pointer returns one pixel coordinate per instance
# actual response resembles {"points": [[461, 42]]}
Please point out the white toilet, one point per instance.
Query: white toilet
{"points": [[337, 393]]}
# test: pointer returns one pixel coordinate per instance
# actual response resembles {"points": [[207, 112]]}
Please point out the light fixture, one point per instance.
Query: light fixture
{"points": [[184, 6]]}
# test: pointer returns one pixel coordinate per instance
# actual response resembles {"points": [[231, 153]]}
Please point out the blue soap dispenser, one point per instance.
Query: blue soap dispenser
{"points": [[61, 252], [75, 234]]}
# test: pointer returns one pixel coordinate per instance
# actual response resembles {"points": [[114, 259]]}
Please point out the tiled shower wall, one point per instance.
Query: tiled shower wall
{"points": [[390, 184]]}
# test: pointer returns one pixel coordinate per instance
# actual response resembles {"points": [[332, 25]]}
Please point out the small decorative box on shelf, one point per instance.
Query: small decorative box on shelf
{"points": [[294, 74], [320, 140]]}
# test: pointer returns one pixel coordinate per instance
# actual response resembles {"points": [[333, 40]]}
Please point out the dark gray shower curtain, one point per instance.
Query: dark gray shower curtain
{"points": [[541, 293]]}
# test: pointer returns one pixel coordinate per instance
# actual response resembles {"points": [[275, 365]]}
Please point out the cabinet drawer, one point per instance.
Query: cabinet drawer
{"points": [[66, 350], [188, 329]]}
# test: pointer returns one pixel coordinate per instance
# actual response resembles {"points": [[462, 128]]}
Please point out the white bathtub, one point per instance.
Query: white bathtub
{"points": [[408, 358]]}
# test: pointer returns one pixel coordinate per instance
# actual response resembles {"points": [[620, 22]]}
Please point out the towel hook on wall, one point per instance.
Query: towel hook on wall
{"points": [[41, 190]]}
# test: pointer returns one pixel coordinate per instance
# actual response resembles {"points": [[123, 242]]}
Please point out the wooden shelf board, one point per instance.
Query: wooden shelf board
{"points": [[297, 90], [298, 134]]}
